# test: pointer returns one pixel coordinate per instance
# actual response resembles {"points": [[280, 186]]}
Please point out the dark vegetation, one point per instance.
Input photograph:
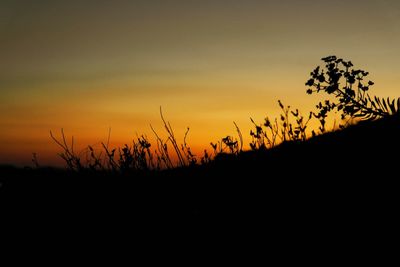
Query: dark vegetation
{"points": [[292, 176]]}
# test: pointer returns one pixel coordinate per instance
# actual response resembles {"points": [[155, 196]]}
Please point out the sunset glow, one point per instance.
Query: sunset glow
{"points": [[87, 66]]}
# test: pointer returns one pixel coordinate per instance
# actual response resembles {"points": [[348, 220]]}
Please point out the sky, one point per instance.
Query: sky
{"points": [[87, 66]]}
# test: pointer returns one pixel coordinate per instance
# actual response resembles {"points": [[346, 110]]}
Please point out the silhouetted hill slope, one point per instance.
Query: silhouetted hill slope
{"points": [[346, 176], [363, 149]]}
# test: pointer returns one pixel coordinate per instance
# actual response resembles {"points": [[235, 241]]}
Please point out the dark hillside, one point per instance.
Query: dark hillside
{"points": [[344, 178]]}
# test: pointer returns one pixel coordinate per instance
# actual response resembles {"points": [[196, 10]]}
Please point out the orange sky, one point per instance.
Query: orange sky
{"points": [[90, 65]]}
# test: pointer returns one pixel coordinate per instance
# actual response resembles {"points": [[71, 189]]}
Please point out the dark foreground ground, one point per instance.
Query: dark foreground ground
{"points": [[342, 181]]}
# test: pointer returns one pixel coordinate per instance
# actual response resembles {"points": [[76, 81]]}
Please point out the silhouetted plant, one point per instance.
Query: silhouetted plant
{"points": [[228, 144], [289, 131], [35, 161], [187, 152], [172, 139], [94, 161], [268, 134], [258, 137], [231, 144], [217, 147], [126, 159], [142, 156], [163, 158], [263, 139], [72, 160], [110, 159], [240, 137], [205, 159], [184, 154], [338, 78], [298, 132], [349, 87]]}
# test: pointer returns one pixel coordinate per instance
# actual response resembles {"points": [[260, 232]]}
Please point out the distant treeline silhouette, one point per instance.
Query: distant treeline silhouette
{"points": [[337, 77]]}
